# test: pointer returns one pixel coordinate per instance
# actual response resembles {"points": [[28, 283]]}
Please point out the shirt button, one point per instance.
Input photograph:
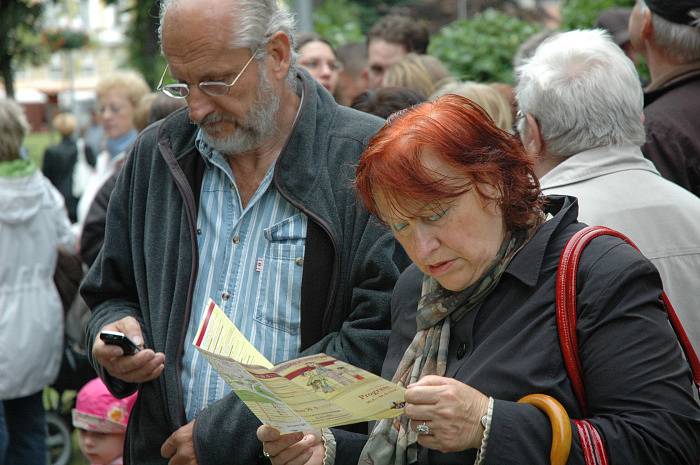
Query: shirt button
{"points": [[236, 239], [225, 295], [461, 351], [299, 261], [199, 230]]}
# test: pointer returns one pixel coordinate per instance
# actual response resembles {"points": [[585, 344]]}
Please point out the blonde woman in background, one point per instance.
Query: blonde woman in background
{"points": [[486, 96], [119, 95], [424, 74]]}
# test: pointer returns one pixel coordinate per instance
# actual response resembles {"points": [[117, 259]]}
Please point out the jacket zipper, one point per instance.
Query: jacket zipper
{"points": [[188, 199]]}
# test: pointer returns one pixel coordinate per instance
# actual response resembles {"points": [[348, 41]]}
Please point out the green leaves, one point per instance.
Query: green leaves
{"points": [[338, 21], [482, 48], [582, 14]]}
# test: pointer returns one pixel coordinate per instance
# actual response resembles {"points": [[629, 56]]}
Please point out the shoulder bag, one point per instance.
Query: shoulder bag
{"points": [[591, 442]]}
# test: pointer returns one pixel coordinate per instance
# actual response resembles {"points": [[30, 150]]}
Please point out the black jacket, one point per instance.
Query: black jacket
{"points": [[637, 384], [148, 265], [673, 130], [58, 164]]}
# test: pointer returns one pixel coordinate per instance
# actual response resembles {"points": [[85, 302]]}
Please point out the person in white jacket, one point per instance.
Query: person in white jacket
{"points": [[580, 103], [33, 224]]}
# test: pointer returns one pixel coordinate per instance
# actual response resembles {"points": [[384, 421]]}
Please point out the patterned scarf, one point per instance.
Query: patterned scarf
{"points": [[392, 442]]}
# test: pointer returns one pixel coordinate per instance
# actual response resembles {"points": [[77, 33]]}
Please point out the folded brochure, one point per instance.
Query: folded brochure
{"points": [[312, 392]]}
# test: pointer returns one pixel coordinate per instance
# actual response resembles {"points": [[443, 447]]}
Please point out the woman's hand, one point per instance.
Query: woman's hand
{"points": [[293, 448], [451, 410]]}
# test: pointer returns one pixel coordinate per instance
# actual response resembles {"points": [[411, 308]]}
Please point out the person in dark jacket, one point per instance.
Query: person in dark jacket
{"points": [[251, 206], [667, 34], [60, 160], [473, 319], [93, 234]]}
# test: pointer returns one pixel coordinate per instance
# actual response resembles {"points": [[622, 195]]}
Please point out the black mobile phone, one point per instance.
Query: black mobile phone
{"points": [[119, 339]]}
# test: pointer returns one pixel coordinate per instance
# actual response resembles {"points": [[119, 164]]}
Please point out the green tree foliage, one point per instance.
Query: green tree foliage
{"points": [[339, 21], [142, 34], [582, 14], [482, 48], [19, 43]]}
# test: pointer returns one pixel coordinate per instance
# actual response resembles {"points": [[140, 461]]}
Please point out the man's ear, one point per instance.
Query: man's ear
{"points": [[279, 49], [532, 137]]}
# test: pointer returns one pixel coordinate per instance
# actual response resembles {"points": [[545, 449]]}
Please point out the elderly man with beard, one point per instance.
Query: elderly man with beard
{"points": [[244, 197]]}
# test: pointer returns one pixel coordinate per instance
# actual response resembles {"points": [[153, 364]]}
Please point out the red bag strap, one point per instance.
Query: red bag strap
{"points": [[566, 311]]}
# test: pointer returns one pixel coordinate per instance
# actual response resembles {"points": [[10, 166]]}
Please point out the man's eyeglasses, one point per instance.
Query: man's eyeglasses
{"points": [[516, 123], [211, 88]]}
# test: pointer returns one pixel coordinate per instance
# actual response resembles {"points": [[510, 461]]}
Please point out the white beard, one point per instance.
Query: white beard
{"points": [[259, 125]]}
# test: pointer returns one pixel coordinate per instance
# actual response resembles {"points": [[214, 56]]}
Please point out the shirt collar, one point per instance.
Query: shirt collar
{"points": [[203, 148], [527, 264], [594, 163]]}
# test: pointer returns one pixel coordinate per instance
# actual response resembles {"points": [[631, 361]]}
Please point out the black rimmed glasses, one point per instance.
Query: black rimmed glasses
{"points": [[211, 88]]}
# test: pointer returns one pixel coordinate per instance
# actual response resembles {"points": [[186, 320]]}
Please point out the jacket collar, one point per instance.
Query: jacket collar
{"points": [[527, 264], [595, 163], [681, 76]]}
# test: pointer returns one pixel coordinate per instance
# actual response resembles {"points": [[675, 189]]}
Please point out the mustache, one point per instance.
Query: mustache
{"points": [[214, 118]]}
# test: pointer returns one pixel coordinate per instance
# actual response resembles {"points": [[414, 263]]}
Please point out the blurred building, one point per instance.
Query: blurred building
{"points": [[68, 80]]}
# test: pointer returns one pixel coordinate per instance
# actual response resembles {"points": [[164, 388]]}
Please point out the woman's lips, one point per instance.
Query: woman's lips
{"points": [[440, 267]]}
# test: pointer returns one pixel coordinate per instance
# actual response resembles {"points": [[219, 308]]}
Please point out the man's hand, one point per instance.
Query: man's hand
{"points": [[179, 447], [143, 366]]}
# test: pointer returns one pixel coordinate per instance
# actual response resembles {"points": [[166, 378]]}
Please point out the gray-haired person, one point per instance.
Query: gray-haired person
{"points": [[251, 206], [581, 102], [667, 34]]}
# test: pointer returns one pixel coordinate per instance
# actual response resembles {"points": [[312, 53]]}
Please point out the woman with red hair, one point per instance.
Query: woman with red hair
{"points": [[473, 319]]}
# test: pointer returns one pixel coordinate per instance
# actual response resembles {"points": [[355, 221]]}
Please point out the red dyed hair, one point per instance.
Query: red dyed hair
{"points": [[459, 132]]}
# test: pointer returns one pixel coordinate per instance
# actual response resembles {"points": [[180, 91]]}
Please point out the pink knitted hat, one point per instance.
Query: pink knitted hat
{"points": [[96, 409]]}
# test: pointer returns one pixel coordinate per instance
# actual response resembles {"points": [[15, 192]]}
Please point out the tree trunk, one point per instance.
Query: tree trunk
{"points": [[8, 77]]}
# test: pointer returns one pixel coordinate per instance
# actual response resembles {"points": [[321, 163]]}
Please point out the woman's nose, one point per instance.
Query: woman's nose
{"points": [[425, 244], [326, 70]]}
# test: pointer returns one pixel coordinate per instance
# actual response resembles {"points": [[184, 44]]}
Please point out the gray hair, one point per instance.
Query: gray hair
{"points": [[583, 91], [677, 40], [13, 129], [257, 21]]}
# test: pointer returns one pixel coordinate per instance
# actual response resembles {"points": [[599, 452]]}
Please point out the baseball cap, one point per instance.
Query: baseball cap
{"points": [[686, 12]]}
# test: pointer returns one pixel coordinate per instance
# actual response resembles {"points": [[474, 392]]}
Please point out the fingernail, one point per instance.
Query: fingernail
{"points": [[138, 340]]}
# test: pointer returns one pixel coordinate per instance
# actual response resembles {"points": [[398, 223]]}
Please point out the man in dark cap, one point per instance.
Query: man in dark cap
{"points": [[667, 34]]}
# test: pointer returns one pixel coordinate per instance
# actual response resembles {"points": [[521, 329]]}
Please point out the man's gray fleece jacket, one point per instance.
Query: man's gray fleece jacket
{"points": [[148, 266]]}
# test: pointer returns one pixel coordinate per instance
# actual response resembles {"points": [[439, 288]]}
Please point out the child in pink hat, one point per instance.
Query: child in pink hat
{"points": [[101, 421]]}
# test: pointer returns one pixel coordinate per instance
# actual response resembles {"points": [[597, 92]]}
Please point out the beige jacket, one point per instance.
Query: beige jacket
{"points": [[617, 187]]}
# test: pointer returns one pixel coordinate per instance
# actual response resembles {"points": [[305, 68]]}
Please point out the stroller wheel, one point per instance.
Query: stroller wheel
{"points": [[58, 442]]}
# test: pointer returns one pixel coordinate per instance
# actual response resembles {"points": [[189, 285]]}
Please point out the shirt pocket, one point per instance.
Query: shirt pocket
{"points": [[280, 270]]}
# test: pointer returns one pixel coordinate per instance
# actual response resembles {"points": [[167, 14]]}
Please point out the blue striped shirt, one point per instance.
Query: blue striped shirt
{"points": [[250, 263]]}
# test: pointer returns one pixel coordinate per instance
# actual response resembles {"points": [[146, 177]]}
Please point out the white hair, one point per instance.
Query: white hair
{"points": [[583, 91], [677, 40], [259, 124], [256, 22]]}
